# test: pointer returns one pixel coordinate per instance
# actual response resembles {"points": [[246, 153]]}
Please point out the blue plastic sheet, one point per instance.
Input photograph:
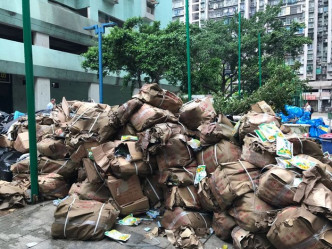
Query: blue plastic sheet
{"points": [[294, 111], [317, 126], [18, 114]]}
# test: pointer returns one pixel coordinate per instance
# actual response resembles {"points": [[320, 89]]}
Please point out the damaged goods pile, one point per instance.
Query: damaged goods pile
{"points": [[255, 183]]}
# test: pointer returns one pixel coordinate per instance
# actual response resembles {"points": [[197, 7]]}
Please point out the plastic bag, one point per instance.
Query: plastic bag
{"points": [[294, 111]]}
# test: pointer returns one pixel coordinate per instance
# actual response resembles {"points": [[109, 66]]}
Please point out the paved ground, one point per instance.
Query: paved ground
{"points": [[33, 223]]}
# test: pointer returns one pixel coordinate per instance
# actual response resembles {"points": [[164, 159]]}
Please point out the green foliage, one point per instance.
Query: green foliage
{"points": [[142, 49], [218, 42], [145, 52], [281, 88]]}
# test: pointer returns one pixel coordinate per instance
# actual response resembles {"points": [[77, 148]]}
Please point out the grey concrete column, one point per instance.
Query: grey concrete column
{"points": [[93, 93], [42, 93], [42, 85]]}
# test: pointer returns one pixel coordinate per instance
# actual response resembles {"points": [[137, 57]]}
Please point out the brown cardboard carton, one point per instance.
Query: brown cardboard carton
{"points": [[161, 98], [200, 222], [178, 176], [258, 153], [295, 227], [212, 133], [222, 225], [252, 214], [147, 116], [185, 197], [83, 220], [243, 239], [153, 190], [205, 196], [276, 187], [94, 172], [136, 207], [21, 143], [129, 150], [125, 191], [92, 118], [197, 112], [123, 169], [53, 148], [306, 146], [184, 237], [222, 152], [262, 107], [231, 180], [5, 143], [79, 154], [155, 138], [52, 186], [66, 168], [314, 192], [12, 194], [126, 110], [250, 122], [104, 153], [176, 153], [89, 191]]}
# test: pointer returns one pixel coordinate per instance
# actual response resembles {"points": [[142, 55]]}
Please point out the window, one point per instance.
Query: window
{"points": [[67, 46], [104, 18]]}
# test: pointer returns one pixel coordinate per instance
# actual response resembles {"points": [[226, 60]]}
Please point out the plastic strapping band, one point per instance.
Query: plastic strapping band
{"points": [[192, 195], [179, 216], [154, 191], [151, 170], [136, 168], [162, 101], [204, 220], [94, 122], [252, 182], [188, 151], [215, 154], [203, 157], [94, 165], [65, 226], [300, 143], [41, 170], [101, 209], [307, 242], [63, 165], [189, 172], [80, 117], [185, 129]]}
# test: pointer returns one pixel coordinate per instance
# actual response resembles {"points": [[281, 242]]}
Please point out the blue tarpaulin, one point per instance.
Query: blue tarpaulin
{"points": [[317, 126]]}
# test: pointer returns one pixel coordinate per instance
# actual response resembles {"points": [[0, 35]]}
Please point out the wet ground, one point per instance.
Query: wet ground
{"points": [[31, 225]]}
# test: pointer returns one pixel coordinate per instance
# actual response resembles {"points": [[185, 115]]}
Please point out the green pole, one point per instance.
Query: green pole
{"points": [[259, 59], [239, 66], [30, 99], [188, 50]]}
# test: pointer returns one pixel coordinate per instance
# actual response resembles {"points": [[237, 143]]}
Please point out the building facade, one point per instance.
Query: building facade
{"points": [[58, 41], [316, 64]]}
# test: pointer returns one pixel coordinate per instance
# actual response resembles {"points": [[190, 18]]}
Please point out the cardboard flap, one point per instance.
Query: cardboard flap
{"points": [[125, 191], [65, 106]]}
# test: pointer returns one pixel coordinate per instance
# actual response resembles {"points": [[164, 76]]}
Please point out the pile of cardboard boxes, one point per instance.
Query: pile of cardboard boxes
{"points": [[200, 172]]}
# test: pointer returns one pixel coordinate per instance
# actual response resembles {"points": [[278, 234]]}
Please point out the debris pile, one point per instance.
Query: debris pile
{"points": [[256, 183]]}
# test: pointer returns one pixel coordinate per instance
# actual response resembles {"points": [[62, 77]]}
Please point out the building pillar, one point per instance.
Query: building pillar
{"points": [[320, 101], [42, 85], [329, 33], [93, 93], [42, 93]]}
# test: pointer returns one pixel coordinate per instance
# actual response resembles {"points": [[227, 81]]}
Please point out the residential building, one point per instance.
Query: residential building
{"points": [[58, 41], [316, 64]]}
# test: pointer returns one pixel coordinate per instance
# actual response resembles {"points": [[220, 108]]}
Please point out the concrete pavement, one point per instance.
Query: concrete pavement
{"points": [[32, 224]]}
